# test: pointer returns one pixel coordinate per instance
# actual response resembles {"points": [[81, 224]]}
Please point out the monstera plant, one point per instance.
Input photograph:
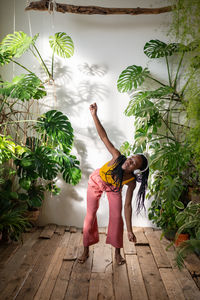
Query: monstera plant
{"points": [[36, 148], [161, 127]]}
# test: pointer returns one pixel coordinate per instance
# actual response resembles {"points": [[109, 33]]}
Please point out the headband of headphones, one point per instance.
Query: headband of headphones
{"points": [[138, 171]]}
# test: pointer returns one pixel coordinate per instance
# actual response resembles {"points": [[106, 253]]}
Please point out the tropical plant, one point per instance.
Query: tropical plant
{"points": [[161, 127], [184, 27], [38, 147]]}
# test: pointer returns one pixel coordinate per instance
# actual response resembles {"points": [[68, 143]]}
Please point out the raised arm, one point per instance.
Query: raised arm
{"points": [[128, 210], [102, 133]]}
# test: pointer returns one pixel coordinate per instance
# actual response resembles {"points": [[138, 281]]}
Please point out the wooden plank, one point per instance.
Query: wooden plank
{"points": [[129, 247], [17, 259], [102, 255], [171, 284], [101, 286], [73, 247], [48, 231], [192, 263], [147, 229], [48, 282], [18, 276], [189, 288], [197, 280], [73, 229], [140, 236], [62, 280], [121, 283], [63, 277], [36, 276], [7, 251], [153, 282], [78, 286], [138, 289], [60, 229], [160, 256]]}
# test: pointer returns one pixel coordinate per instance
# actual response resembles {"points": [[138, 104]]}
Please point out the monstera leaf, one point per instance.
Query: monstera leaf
{"points": [[133, 76], [157, 48], [39, 163], [70, 170], [24, 87], [140, 105], [69, 166], [62, 44], [5, 57], [56, 125], [17, 43]]}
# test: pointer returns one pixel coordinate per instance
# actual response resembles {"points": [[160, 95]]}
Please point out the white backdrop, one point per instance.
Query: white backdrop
{"points": [[104, 46]]}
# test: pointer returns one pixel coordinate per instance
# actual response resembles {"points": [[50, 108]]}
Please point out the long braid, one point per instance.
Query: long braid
{"points": [[117, 173], [143, 178]]}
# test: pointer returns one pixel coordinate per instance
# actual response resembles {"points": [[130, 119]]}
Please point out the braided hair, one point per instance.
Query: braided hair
{"points": [[117, 173], [143, 179]]}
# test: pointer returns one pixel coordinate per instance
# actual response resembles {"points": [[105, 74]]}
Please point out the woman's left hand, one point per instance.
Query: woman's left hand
{"points": [[132, 237]]}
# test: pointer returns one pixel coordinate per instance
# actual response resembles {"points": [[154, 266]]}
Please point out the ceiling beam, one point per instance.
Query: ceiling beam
{"points": [[45, 5]]}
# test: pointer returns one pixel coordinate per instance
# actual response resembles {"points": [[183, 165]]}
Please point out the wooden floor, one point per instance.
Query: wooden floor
{"points": [[45, 267]]}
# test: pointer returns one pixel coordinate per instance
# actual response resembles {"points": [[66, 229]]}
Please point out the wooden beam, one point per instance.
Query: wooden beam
{"points": [[43, 5]]}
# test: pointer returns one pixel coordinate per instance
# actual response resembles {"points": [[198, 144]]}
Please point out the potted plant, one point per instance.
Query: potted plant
{"points": [[162, 127], [189, 222], [37, 146]]}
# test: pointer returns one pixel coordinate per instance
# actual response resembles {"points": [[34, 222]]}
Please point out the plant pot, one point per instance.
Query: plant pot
{"points": [[181, 238], [33, 215]]}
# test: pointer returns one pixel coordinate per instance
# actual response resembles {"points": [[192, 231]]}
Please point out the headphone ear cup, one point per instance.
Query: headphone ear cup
{"points": [[138, 171]]}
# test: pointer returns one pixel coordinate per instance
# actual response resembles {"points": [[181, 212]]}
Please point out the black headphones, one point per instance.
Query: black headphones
{"points": [[138, 171]]}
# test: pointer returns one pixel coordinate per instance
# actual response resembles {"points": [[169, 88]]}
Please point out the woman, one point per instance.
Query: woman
{"points": [[111, 178]]}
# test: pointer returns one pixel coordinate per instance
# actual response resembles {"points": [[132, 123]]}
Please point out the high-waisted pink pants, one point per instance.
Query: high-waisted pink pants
{"points": [[96, 186]]}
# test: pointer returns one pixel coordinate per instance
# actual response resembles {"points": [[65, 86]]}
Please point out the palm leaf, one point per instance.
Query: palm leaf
{"points": [[24, 87], [17, 43], [62, 44], [157, 48], [132, 76], [56, 125]]}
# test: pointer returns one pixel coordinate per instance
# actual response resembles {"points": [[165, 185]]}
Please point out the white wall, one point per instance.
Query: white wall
{"points": [[111, 43]]}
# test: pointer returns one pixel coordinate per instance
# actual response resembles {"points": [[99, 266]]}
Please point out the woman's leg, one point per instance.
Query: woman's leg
{"points": [[90, 225], [116, 224]]}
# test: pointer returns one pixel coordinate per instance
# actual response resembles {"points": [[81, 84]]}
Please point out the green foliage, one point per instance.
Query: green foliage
{"points": [[23, 87], [57, 126], [16, 43], [132, 76], [5, 56], [7, 148], [49, 139], [35, 195], [157, 49], [62, 44], [161, 128], [185, 248]]}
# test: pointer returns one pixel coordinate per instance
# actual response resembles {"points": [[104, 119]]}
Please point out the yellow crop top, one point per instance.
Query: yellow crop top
{"points": [[108, 178]]}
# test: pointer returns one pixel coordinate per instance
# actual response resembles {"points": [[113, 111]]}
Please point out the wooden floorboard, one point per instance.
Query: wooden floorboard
{"points": [[45, 267]]}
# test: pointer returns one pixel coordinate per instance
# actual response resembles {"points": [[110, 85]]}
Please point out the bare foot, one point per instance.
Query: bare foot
{"points": [[119, 259], [83, 257]]}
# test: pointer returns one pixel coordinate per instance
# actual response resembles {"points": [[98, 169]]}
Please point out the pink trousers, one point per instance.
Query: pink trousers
{"points": [[96, 186]]}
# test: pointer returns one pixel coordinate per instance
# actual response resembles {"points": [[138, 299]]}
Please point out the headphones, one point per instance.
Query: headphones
{"points": [[138, 171]]}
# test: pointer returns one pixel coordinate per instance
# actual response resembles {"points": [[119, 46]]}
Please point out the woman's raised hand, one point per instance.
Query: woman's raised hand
{"points": [[93, 109]]}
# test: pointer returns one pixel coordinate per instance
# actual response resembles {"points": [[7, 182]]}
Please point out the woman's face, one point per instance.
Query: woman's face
{"points": [[132, 163]]}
